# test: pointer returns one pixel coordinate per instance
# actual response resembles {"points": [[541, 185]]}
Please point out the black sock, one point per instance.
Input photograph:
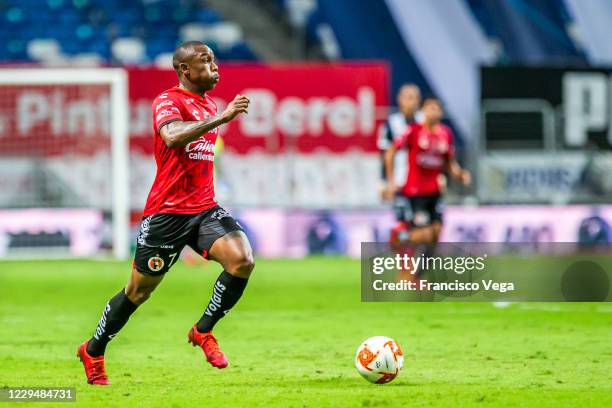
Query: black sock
{"points": [[226, 292], [114, 317]]}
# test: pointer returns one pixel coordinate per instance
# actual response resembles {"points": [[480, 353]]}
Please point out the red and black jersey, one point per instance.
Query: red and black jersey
{"points": [[428, 153], [184, 180]]}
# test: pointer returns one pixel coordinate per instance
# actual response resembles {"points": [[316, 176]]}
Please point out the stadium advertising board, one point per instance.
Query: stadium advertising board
{"points": [[277, 232], [527, 177], [297, 233], [59, 231], [557, 125]]}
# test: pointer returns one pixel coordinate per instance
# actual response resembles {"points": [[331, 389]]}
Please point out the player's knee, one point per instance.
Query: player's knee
{"points": [[432, 236], [139, 297], [242, 266], [426, 235], [436, 230]]}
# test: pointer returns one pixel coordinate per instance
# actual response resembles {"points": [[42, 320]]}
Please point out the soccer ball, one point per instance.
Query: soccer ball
{"points": [[379, 359]]}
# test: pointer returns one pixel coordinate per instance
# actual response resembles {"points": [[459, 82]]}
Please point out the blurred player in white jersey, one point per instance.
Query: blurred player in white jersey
{"points": [[408, 103]]}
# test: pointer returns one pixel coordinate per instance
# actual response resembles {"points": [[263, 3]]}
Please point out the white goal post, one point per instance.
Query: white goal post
{"points": [[113, 84]]}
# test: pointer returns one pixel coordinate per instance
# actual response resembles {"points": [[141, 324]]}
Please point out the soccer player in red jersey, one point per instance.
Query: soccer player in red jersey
{"points": [[430, 155], [181, 210]]}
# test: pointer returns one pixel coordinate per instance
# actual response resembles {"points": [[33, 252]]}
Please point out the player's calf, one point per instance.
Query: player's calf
{"points": [[114, 316], [233, 251], [119, 309], [227, 291]]}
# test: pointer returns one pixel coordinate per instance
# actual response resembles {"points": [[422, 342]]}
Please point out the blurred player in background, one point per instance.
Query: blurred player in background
{"points": [[181, 210], [408, 103], [430, 155]]}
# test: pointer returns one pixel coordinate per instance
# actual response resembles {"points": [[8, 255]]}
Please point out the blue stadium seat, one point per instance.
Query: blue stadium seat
{"points": [[208, 16], [73, 47], [85, 26], [99, 47], [156, 47], [16, 48], [239, 52], [70, 17]]}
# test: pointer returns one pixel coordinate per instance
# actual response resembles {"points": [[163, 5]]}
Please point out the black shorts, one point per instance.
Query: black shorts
{"points": [[426, 209], [402, 207], [163, 236]]}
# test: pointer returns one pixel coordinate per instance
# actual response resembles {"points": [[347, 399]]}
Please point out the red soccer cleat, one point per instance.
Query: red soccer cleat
{"points": [[209, 345], [94, 366]]}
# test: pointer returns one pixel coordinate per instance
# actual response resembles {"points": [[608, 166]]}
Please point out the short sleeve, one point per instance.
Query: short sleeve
{"points": [[404, 139], [165, 110]]}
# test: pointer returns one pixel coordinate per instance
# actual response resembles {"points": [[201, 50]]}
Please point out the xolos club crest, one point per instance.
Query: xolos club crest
{"points": [[155, 263]]}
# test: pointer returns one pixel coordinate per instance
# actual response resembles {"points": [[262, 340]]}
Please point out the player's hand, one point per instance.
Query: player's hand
{"points": [[389, 191], [466, 178], [239, 105]]}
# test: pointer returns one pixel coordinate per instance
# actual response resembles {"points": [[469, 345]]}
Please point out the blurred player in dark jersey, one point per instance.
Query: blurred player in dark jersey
{"points": [[430, 155], [408, 103], [181, 210]]}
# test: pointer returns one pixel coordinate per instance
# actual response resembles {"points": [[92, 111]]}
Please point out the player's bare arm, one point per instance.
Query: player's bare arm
{"points": [[179, 133], [458, 173], [391, 187]]}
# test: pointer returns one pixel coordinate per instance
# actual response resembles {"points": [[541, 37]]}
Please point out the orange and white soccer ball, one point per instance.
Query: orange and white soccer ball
{"points": [[379, 359]]}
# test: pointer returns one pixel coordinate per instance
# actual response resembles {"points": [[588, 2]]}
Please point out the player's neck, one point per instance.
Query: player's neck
{"points": [[430, 125], [408, 115], [192, 88]]}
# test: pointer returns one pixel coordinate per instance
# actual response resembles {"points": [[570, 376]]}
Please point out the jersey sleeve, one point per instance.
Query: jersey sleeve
{"points": [[404, 139], [165, 110]]}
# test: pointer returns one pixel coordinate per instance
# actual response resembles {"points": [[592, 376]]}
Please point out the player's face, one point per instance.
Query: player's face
{"points": [[408, 100], [202, 69], [432, 111]]}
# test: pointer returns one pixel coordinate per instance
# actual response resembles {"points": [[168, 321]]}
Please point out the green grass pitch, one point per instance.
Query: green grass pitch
{"points": [[291, 342]]}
